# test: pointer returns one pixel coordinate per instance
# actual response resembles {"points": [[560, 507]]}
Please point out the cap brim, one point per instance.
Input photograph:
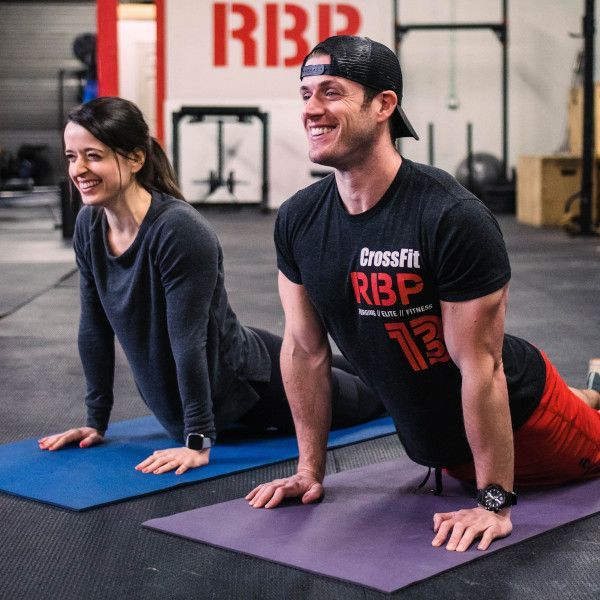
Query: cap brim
{"points": [[405, 129]]}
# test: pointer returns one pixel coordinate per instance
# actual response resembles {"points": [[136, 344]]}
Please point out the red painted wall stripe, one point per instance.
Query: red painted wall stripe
{"points": [[107, 50], [161, 76]]}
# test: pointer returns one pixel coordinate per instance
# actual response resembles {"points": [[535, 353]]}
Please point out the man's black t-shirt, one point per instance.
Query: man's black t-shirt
{"points": [[376, 280]]}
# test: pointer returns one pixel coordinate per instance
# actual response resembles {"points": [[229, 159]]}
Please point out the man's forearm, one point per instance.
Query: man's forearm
{"points": [[307, 382], [488, 426]]}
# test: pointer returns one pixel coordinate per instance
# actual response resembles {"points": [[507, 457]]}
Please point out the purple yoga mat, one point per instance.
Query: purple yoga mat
{"points": [[372, 528]]}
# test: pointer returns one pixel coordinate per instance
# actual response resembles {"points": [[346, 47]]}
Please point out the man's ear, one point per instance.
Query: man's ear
{"points": [[387, 104]]}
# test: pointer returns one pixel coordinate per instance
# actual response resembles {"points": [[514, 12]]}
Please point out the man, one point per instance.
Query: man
{"points": [[409, 274]]}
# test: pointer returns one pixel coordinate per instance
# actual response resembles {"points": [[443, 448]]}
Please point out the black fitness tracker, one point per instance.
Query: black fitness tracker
{"points": [[198, 441]]}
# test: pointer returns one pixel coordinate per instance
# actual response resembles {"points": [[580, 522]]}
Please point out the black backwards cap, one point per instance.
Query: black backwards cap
{"points": [[367, 62]]}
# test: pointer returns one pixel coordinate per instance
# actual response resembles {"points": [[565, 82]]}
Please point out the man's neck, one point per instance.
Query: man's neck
{"points": [[362, 186]]}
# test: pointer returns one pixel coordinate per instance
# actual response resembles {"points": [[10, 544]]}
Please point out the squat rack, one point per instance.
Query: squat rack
{"points": [[589, 142], [501, 31], [199, 113]]}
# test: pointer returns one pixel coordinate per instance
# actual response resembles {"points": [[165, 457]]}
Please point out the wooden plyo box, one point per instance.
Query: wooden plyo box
{"points": [[544, 184], [575, 120]]}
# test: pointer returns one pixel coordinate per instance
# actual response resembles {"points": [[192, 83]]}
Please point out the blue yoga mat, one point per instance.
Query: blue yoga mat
{"points": [[80, 479]]}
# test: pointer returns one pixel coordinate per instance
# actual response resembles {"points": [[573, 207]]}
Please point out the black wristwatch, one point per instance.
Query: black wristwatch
{"points": [[494, 497], [198, 441]]}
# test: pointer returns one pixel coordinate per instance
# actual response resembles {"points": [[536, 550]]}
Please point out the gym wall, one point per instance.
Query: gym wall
{"points": [[35, 42], [542, 56], [208, 63], [136, 40], [36, 39], [541, 59], [249, 54]]}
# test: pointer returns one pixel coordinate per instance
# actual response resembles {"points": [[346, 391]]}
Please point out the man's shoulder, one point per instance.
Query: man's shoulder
{"points": [[439, 182], [310, 196], [441, 195]]}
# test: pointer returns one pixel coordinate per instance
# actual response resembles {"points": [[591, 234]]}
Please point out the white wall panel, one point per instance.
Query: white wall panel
{"points": [[194, 77]]}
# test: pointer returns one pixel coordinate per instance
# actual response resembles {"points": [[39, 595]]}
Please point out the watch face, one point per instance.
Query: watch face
{"points": [[494, 498], [196, 441]]}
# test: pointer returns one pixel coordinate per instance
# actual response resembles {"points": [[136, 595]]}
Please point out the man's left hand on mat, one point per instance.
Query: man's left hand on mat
{"points": [[305, 484], [464, 526], [181, 459]]}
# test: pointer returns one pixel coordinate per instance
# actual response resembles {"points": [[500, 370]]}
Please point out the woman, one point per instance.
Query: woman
{"points": [[151, 272]]}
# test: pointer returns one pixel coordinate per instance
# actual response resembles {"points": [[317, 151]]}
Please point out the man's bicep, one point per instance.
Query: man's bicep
{"points": [[474, 328], [302, 323]]}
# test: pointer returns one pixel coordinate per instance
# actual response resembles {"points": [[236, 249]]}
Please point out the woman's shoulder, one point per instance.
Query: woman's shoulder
{"points": [[88, 214], [169, 209], [179, 222], [88, 217]]}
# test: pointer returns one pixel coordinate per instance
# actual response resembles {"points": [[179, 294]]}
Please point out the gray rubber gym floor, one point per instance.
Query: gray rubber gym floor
{"points": [[49, 553]]}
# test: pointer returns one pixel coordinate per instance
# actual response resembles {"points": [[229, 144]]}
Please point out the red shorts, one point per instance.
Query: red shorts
{"points": [[559, 442]]}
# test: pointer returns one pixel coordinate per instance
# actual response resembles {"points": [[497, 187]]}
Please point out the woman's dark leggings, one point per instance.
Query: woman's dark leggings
{"points": [[352, 401]]}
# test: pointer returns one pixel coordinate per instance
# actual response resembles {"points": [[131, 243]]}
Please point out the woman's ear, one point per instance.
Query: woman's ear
{"points": [[137, 158]]}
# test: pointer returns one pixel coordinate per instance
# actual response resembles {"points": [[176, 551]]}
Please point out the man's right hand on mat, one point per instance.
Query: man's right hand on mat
{"points": [[182, 459], [302, 485], [462, 527], [86, 436]]}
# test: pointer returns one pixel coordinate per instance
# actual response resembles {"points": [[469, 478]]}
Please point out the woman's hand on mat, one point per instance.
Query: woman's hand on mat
{"points": [[303, 484], [181, 459], [469, 524], [86, 436]]}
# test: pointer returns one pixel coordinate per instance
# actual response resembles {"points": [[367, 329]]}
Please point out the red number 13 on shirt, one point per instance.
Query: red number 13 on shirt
{"points": [[429, 329]]}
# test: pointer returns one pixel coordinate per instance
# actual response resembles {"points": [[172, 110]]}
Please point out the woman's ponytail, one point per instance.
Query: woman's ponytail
{"points": [[157, 172]]}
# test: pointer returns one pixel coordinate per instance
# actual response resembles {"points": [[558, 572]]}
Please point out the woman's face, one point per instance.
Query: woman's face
{"points": [[100, 174]]}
